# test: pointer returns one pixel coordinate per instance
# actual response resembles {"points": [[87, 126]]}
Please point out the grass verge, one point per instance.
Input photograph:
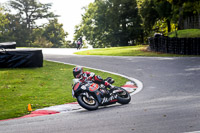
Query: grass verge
{"points": [[189, 33], [139, 50], [40, 87]]}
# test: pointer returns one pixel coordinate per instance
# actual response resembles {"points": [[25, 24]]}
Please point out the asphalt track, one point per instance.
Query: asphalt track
{"points": [[168, 103]]}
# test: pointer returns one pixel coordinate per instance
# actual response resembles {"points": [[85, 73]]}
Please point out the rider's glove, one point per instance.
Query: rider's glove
{"points": [[111, 86]]}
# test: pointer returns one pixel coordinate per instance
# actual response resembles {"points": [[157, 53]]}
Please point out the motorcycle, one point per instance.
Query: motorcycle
{"points": [[78, 45], [91, 95]]}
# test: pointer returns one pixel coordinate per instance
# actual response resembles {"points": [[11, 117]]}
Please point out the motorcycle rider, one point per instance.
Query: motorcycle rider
{"points": [[79, 43], [80, 39], [85, 76]]}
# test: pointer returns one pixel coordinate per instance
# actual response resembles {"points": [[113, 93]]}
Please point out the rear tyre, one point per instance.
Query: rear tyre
{"points": [[88, 103], [123, 97]]}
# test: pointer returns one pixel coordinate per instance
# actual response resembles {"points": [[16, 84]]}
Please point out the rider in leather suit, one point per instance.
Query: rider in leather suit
{"points": [[84, 76]]}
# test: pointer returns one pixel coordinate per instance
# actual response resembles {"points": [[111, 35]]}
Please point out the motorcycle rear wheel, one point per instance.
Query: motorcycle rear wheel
{"points": [[88, 103], [123, 97]]}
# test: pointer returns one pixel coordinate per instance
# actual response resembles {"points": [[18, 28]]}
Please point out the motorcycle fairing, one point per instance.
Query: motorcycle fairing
{"points": [[76, 86], [109, 100], [93, 87]]}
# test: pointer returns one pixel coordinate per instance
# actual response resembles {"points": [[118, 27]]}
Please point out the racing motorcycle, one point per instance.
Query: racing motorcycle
{"points": [[91, 95], [78, 45]]}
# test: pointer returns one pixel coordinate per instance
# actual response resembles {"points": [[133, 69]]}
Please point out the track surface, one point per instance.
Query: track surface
{"points": [[168, 103]]}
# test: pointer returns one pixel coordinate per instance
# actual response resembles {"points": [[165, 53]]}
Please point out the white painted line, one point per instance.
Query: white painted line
{"points": [[63, 108], [193, 132]]}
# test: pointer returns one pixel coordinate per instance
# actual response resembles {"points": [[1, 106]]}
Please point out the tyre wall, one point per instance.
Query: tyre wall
{"points": [[184, 46]]}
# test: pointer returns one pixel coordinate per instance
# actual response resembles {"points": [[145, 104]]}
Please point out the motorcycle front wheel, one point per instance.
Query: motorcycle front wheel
{"points": [[88, 103], [123, 97]]}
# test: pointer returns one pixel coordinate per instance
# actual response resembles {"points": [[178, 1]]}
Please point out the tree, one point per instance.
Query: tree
{"points": [[149, 16], [89, 26], [28, 11], [110, 23], [31, 10], [129, 22], [3, 24], [55, 33], [4, 21], [39, 39], [184, 8], [164, 10], [156, 13]]}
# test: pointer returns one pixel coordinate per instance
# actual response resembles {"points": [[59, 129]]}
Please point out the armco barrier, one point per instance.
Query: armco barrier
{"points": [[185, 46]]}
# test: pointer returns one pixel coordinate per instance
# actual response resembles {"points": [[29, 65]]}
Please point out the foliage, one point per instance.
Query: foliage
{"points": [[28, 11], [31, 10], [17, 31], [117, 22], [184, 8], [21, 27], [55, 33], [50, 35], [149, 15], [110, 23], [4, 21], [40, 87], [42, 42], [157, 16], [189, 33], [166, 15]]}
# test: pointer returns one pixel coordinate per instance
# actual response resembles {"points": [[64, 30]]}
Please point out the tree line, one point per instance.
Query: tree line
{"points": [[105, 23], [23, 29], [130, 22]]}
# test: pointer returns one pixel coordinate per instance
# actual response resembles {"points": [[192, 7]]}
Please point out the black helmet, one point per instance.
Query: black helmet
{"points": [[77, 72]]}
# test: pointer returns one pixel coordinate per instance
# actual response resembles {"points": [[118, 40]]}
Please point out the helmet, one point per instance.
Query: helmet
{"points": [[77, 72]]}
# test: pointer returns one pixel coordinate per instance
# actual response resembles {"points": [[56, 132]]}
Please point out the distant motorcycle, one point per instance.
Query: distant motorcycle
{"points": [[79, 45], [91, 95]]}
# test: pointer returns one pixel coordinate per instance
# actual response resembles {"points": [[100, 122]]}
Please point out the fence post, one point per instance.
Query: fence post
{"points": [[193, 45], [182, 45], [198, 46]]}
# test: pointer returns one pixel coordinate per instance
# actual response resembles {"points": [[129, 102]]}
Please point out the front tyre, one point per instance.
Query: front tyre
{"points": [[89, 103], [123, 97]]}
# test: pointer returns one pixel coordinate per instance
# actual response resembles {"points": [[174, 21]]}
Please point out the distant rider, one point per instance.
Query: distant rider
{"points": [[79, 43]]}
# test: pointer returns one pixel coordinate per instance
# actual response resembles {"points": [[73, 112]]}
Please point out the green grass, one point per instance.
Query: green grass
{"points": [[140, 50], [40, 87], [189, 33]]}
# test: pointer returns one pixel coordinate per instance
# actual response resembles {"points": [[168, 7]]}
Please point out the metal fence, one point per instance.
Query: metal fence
{"points": [[184, 46]]}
